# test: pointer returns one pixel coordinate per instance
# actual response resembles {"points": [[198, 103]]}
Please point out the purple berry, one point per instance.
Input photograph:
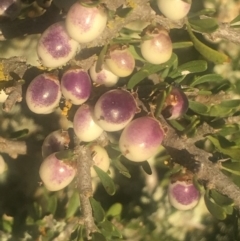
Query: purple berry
{"points": [[54, 142], [157, 49], [76, 86], [115, 109], [174, 9], [85, 24], [141, 139], [56, 174], [176, 104], [182, 193], [120, 61], [9, 8], [84, 124], [43, 94], [55, 48], [103, 77]]}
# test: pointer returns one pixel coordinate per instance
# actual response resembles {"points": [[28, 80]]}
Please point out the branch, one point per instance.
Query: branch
{"points": [[13, 148], [15, 95], [84, 184], [226, 32]]}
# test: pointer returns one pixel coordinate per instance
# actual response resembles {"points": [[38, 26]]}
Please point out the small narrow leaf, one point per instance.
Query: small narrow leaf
{"points": [[198, 107], [115, 210], [226, 150], [146, 167], [107, 226], [98, 212], [52, 204], [149, 69], [233, 167], [209, 78], [181, 45], [216, 210], [64, 155], [209, 53], [235, 20], [116, 233], [220, 199], [107, 181], [208, 25], [135, 54], [160, 103], [121, 168], [206, 11], [231, 103], [195, 66], [98, 237], [101, 57], [123, 12], [19, 134], [73, 205]]}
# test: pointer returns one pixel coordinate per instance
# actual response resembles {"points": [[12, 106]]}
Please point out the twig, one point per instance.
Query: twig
{"points": [[84, 185], [226, 32], [13, 148], [15, 95]]}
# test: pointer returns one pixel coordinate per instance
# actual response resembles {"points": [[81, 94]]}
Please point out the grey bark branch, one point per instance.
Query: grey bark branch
{"points": [[15, 95], [13, 148], [84, 185], [226, 32]]}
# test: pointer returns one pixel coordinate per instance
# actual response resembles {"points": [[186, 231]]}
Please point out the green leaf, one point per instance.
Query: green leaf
{"points": [[235, 20], [72, 205], [64, 154], [107, 181], [98, 237], [121, 168], [181, 45], [98, 212], [198, 107], [209, 53], [160, 103], [107, 226], [195, 66], [208, 25], [101, 57], [52, 204], [220, 199], [209, 78], [219, 111], [229, 129], [123, 12], [19, 134], [230, 166], [116, 233], [228, 209], [231, 151], [115, 210], [135, 54], [230, 103], [216, 210], [149, 69], [146, 167], [90, 4], [206, 11]]}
